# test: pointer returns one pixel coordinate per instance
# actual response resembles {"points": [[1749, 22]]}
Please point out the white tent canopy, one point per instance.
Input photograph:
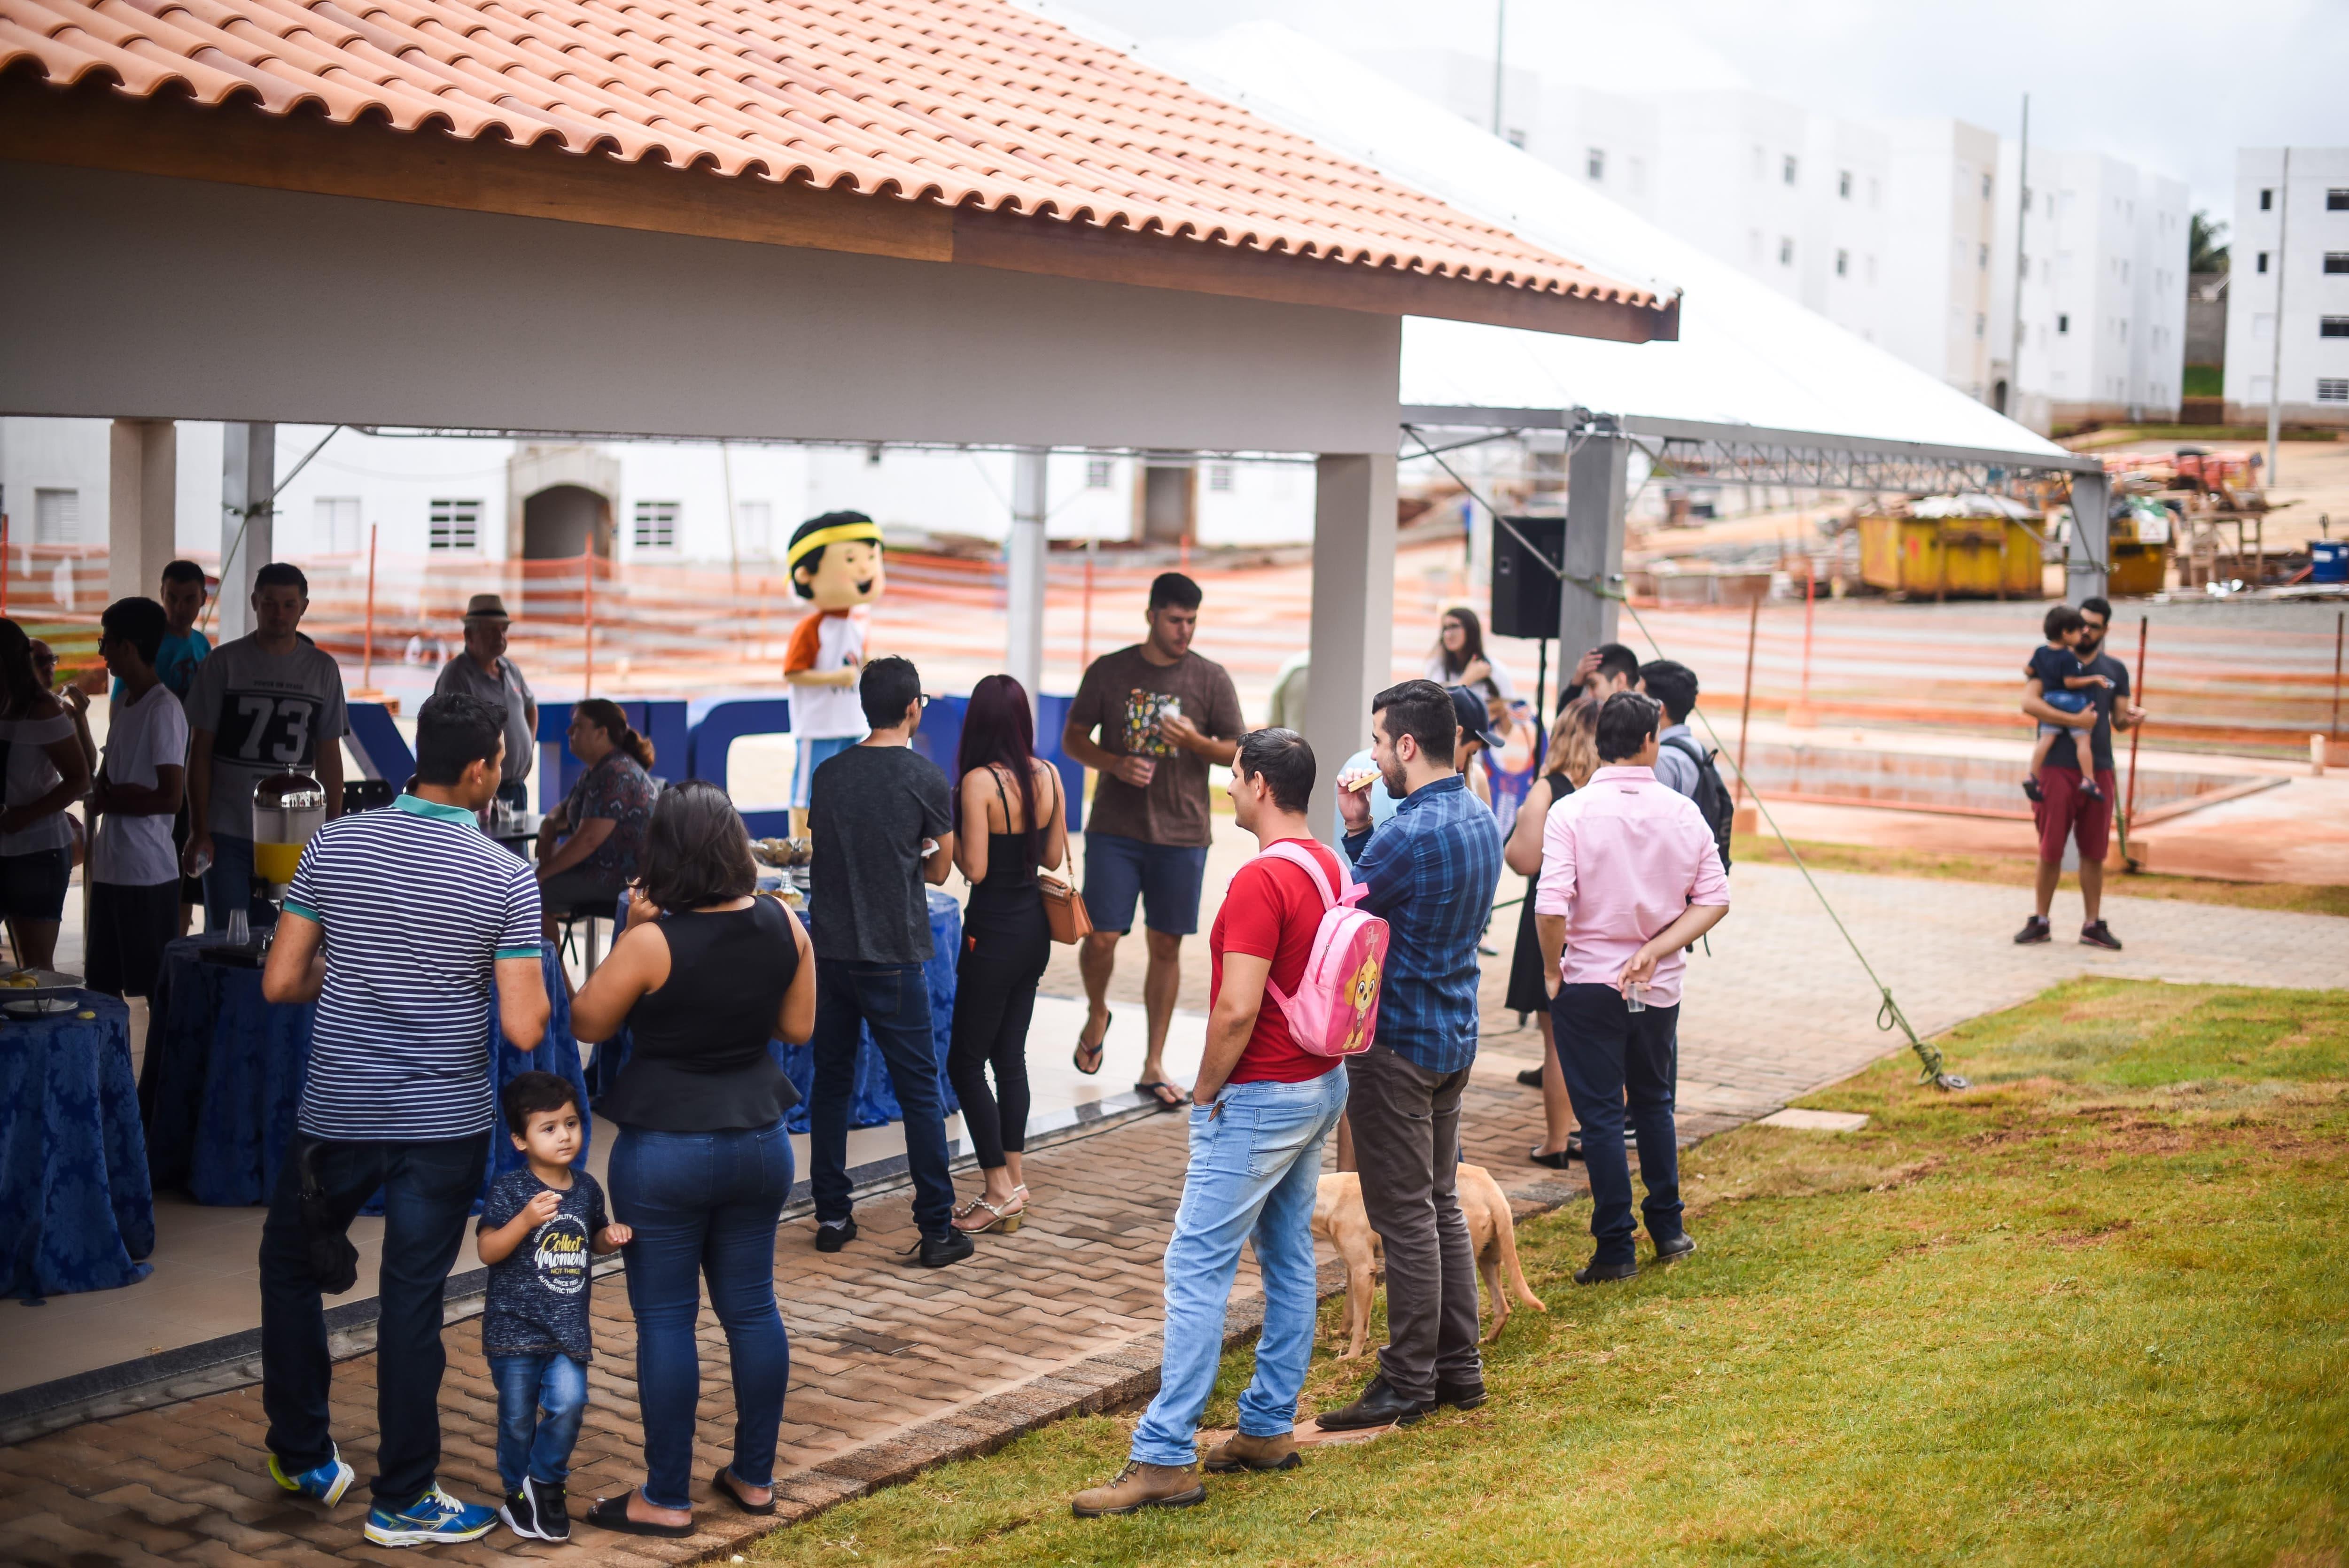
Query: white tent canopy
{"points": [[1746, 355]]}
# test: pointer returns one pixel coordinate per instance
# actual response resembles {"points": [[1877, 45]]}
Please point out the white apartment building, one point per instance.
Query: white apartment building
{"points": [[2293, 240], [2103, 301], [1944, 190]]}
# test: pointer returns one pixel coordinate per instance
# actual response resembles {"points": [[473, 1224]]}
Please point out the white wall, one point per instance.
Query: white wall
{"points": [[2295, 243]]}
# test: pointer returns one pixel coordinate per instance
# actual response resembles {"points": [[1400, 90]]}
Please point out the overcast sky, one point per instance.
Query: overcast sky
{"points": [[2173, 87]]}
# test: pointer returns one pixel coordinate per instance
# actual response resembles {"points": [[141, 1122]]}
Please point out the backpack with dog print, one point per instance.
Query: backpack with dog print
{"points": [[1334, 1011]]}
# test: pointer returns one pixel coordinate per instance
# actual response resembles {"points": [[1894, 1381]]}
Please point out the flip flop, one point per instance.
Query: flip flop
{"points": [[1152, 1088], [1099, 1048], [1556, 1159], [725, 1489], [612, 1513]]}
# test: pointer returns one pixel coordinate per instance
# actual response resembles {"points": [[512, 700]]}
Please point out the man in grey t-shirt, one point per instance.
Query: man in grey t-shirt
{"points": [[484, 671], [872, 810], [266, 702]]}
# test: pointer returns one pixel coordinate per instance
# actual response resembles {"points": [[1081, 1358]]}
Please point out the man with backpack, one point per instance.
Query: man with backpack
{"points": [[1629, 877], [1682, 761], [1267, 1095]]}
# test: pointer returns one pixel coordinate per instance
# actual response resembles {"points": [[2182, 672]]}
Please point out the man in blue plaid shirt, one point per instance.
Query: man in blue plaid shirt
{"points": [[1430, 872]]}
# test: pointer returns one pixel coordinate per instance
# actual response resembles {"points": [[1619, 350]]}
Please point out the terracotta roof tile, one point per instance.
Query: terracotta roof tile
{"points": [[967, 103]]}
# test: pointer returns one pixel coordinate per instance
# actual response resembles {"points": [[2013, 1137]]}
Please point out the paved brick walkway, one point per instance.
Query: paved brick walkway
{"points": [[893, 1368]]}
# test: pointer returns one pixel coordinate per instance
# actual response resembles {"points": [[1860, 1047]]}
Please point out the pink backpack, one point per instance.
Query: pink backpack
{"points": [[1334, 1011]]}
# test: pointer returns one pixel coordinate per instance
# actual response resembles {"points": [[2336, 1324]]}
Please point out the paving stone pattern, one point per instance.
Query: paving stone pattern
{"points": [[895, 1368]]}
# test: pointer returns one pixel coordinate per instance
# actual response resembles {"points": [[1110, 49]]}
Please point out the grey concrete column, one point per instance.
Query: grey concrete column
{"points": [[141, 506], [248, 526], [2088, 547], [1598, 481], [1354, 611], [1024, 655]]}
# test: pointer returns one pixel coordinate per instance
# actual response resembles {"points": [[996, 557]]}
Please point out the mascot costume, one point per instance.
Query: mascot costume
{"points": [[835, 560]]}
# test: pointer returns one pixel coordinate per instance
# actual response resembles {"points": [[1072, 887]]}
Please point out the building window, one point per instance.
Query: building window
{"points": [[2264, 261], [873, 456], [2332, 326], [754, 527], [1754, 246], [2267, 201], [335, 521], [1982, 260], [1096, 473], [1982, 324], [1516, 139], [1786, 170], [2333, 390], [56, 517], [1842, 263], [1785, 251], [2336, 201], [2063, 324], [1219, 476], [655, 525], [1985, 187], [1871, 271], [455, 525], [2120, 330], [2336, 261], [1874, 192], [1594, 164], [1758, 156], [1639, 177], [1843, 184]]}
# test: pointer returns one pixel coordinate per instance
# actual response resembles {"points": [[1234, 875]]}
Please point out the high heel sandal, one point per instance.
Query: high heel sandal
{"points": [[1006, 1221]]}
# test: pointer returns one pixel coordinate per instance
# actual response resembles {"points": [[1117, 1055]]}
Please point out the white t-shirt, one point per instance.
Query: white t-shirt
{"points": [[152, 732], [827, 640], [31, 775], [1497, 684]]}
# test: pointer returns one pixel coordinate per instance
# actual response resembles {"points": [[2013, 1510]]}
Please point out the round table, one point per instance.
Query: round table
{"points": [[222, 1083], [76, 1209]]}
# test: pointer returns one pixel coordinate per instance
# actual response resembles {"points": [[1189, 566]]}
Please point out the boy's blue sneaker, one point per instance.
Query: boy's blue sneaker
{"points": [[324, 1484], [435, 1519]]}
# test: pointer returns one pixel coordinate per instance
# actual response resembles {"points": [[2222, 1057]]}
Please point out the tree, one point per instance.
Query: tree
{"points": [[2206, 245]]}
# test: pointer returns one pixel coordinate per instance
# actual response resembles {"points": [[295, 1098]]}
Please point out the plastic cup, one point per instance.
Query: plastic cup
{"points": [[1635, 997]]}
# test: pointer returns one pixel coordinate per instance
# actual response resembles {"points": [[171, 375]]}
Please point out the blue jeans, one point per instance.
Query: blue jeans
{"points": [[1255, 1167], [894, 1001], [1611, 1054], [529, 1444], [704, 1205], [229, 883]]}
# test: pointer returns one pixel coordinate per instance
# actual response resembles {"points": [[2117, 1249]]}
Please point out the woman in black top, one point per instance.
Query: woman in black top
{"points": [[1005, 939], [707, 973], [1572, 758]]}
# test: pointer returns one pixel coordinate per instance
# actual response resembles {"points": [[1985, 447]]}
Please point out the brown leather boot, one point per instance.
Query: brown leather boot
{"points": [[1139, 1485], [1241, 1452]]}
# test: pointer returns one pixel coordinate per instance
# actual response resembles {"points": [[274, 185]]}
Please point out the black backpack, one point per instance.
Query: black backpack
{"points": [[1711, 795]]}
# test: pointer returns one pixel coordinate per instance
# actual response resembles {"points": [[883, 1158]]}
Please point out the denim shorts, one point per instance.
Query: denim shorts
{"points": [[1164, 877], [33, 887]]}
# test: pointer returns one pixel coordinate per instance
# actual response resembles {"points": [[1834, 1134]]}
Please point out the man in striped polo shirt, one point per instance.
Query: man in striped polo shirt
{"points": [[394, 924]]}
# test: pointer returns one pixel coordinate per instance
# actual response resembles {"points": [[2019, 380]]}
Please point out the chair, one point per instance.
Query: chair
{"points": [[368, 794], [589, 909]]}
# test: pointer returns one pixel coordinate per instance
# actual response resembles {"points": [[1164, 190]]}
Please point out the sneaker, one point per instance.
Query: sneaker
{"points": [[939, 1252], [325, 1484], [436, 1519], [552, 1502], [831, 1236], [2096, 934], [2031, 788], [520, 1516], [2035, 930]]}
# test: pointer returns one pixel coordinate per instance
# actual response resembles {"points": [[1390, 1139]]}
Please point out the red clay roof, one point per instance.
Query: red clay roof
{"points": [[966, 103]]}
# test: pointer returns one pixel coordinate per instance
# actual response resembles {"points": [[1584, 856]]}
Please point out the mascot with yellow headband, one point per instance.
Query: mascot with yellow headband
{"points": [[835, 560]]}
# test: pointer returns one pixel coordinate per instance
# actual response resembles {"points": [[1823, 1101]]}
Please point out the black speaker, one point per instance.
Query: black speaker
{"points": [[1525, 584]]}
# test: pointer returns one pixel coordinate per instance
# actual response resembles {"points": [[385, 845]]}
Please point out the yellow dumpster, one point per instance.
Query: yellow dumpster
{"points": [[1965, 556]]}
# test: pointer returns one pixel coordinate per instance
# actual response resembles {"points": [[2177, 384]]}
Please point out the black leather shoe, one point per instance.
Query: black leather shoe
{"points": [[1596, 1273], [832, 1238], [937, 1252], [1379, 1405], [1531, 1078], [1460, 1395], [1677, 1248]]}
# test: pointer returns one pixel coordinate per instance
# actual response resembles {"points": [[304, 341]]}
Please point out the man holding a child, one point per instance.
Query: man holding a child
{"points": [[2067, 807]]}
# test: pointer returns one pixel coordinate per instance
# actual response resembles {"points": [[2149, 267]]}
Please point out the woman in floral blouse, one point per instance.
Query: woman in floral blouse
{"points": [[588, 847]]}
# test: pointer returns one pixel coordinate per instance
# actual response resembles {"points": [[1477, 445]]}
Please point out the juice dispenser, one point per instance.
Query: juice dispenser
{"points": [[287, 808]]}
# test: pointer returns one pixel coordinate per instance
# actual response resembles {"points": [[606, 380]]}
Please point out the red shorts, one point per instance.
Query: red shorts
{"points": [[2069, 812]]}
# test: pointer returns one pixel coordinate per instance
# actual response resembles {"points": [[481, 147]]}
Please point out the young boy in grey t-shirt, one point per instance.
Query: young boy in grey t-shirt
{"points": [[539, 1227]]}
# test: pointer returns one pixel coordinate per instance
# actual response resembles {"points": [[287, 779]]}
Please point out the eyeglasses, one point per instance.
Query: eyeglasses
{"points": [[922, 700]]}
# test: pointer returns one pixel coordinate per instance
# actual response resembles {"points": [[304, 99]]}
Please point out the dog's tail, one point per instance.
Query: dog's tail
{"points": [[1513, 1274]]}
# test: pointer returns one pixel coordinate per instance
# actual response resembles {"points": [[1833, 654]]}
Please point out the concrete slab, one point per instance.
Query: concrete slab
{"points": [[1817, 1120]]}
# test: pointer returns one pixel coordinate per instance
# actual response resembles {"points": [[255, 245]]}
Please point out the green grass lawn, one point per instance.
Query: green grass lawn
{"points": [[2092, 1310]]}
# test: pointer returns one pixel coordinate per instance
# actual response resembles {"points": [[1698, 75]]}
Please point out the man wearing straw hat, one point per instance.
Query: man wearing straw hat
{"points": [[484, 672]]}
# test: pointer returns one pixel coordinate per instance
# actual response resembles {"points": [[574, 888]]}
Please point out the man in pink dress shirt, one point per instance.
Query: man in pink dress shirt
{"points": [[1629, 877]]}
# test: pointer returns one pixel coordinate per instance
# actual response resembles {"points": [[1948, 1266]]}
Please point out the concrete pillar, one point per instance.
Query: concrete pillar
{"points": [[1025, 577], [1597, 493], [248, 526], [1353, 612], [2088, 547], [141, 507]]}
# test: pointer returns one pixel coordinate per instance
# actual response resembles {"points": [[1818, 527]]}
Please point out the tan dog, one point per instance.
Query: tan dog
{"points": [[1338, 1219]]}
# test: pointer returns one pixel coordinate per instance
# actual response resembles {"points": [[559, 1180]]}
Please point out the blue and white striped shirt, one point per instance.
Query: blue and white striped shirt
{"points": [[418, 906]]}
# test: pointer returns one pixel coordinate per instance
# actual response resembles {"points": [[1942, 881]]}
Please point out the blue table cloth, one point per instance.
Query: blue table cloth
{"points": [[76, 1209], [224, 1069], [875, 1101]]}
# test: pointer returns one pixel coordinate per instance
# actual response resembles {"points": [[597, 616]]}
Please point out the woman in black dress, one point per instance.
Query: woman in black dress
{"points": [[1572, 758], [1010, 817]]}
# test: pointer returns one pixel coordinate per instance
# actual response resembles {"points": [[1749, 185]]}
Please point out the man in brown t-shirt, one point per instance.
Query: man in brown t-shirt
{"points": [[1163, 714]]}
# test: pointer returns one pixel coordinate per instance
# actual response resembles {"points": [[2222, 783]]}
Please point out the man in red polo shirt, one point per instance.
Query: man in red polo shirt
{"points": [[2066, 809]]}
